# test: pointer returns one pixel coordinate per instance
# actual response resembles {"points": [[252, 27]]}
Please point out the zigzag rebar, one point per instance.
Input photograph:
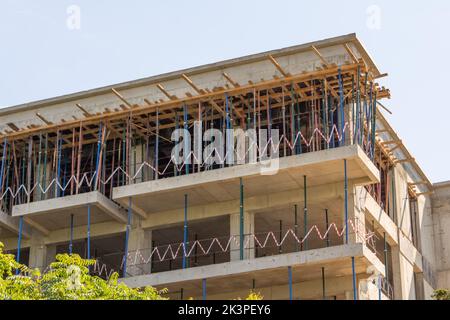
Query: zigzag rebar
{"points": [[173, 163], [174, 251]]}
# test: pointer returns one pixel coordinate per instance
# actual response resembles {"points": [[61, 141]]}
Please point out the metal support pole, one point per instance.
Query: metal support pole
{"points": [[3, 164], [241, 221], [97, 160], [88, 232], [19, 241], [71, 235], [157, 145], [185, 232], [386, 270], [327, 226], [305, 213], [280, 249], [187, 147], [296, 226], [341, 107], [127, 236], [181, 294], [290, 283], [323, 284], [379, 287], [204, 289], [346, 200], [354, 279]]}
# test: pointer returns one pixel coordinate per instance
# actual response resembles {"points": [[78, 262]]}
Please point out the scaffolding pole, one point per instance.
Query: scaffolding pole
{"points": [[327, 226], [346, 200], [323, 284], [290, 283], [88, 232], [19, 242], [241, 220], [204, 289], [385, 251], [305, 212], [127, 237], [185, 232], [71, 235], [296, 225], [354, 279]]}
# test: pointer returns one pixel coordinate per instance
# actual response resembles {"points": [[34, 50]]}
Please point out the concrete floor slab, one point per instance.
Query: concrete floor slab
{"points": [[9, 227], [322, 167], [337, 259], [54, 214]]}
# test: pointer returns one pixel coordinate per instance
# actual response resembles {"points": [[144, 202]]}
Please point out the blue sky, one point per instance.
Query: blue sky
{"points": [[41, 57]]}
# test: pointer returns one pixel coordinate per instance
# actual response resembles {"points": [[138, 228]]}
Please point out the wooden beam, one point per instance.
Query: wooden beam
{"points": [[381, 76], [265, 84], [425, 193], [13, 126], [167, 94], [279, 68], [396, 147], [320, 56], [350, 53], [122, 98], [417, 183], [234, 83], [191, 83], [391, 142], [404, 160], [85, 112], [43, 119]]}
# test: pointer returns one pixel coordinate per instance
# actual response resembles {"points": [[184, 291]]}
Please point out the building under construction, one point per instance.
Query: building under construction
{"points": [[328, 205]]}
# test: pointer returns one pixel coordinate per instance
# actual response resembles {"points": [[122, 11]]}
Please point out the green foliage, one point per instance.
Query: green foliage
{"points": [[67, 279], [441, 294], [253, 296]]}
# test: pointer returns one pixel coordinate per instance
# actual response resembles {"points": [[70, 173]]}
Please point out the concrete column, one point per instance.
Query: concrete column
{"points": [[396, 273], [249, 230], [38, 253], [403, 276], [348, 116], [139, 250], [50, 254], [355, 215]]}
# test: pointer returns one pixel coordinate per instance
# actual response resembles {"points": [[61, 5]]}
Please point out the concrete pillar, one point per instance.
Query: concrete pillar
{"points": [[403, 276], [38, 253], [139, 250], [249, 230], [50, 254], [396, 273], [357, 221], [348, 116]]}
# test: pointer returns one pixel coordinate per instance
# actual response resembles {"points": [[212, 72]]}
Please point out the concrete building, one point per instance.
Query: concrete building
{"points": [[329, 204]]}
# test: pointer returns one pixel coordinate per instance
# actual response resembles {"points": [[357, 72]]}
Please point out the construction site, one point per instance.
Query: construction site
{"points": [[291, 182]]}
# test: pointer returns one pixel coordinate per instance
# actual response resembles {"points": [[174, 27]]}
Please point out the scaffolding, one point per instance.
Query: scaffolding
{"points": [[328, 108]]}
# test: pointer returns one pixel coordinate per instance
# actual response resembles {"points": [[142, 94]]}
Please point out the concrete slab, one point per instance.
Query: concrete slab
{"points": [[10, 227], [337, 257], [322, 167], [54, 214]]}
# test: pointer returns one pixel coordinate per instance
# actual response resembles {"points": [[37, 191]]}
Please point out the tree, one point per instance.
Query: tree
{"points": [[67, 279], [441, 294]]}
